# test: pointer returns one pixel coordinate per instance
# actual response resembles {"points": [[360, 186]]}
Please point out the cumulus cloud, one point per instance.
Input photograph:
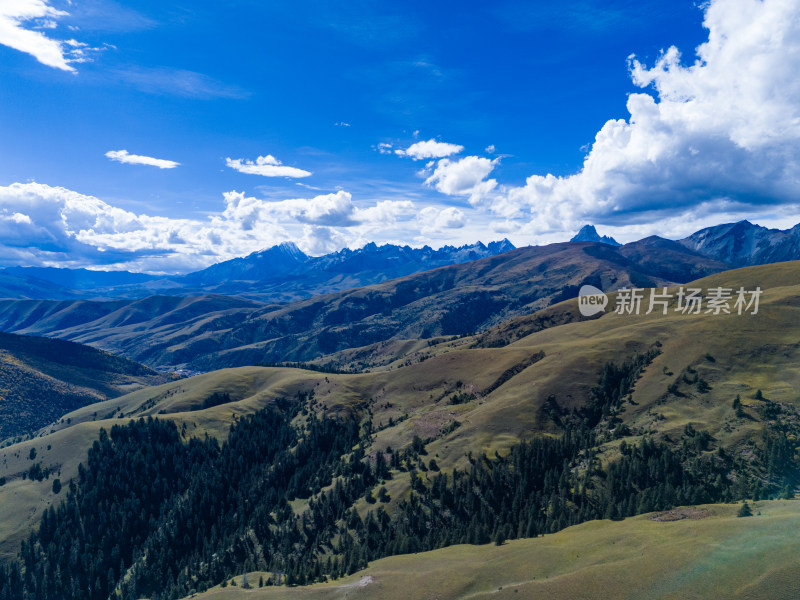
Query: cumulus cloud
{"points": [[21, 25], [335, 210], [464, 177], [266, 166], [45, 225], [433, 219], [720, 134], [123, 156], [429, 149], [318, 239]]}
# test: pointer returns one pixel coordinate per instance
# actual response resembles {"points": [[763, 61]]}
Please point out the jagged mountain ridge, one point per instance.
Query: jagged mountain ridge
{"points": [[282, 273], [263, 265], [588, 233], [745, 244]]}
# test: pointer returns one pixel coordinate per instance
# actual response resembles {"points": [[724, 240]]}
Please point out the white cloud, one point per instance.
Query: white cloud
{"points": [[45, 225], [490, 149], [342, 124], [21, 22], [335, 210], [123, 156], [384, 148], [433, 219], [385, 212], [429, 149], [719, 135], [464, 177], [328, 209], [321, 240], [267, 166]]}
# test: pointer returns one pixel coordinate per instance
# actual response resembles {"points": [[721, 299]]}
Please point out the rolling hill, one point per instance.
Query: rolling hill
{"points": [[41, 379], [456, 400], [708, 553], [211, 332]]}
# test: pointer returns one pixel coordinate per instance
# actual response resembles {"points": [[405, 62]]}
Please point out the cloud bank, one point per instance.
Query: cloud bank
{"points": [[54, 226]]}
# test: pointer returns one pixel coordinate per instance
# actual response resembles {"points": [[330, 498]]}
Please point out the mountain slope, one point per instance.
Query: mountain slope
{"points": [[42, 379], [265, 265], [454, 300], [743, 244], [283, 273], [461, 400], [136, 328], [715, 555]]}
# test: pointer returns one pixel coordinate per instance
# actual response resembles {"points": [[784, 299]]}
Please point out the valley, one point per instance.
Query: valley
{"points": [[454, 399], [211, 332]]}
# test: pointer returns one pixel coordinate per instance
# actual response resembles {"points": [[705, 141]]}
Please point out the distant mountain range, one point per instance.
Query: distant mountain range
{"points": [[282, 273], [213, 331], [744, 244], [741, 244]]}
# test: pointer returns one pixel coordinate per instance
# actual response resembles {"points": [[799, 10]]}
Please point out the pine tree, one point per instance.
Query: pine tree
{"points": [[745, 510]]}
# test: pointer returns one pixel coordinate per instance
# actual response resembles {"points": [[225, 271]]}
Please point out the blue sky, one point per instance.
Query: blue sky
{"points": [[327, 93]]}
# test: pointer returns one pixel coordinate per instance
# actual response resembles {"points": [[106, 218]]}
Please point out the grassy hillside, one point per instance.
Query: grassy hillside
{"points": [[712, 554], [41, 379], [212, 332], [484, 394], [141, 329]]}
